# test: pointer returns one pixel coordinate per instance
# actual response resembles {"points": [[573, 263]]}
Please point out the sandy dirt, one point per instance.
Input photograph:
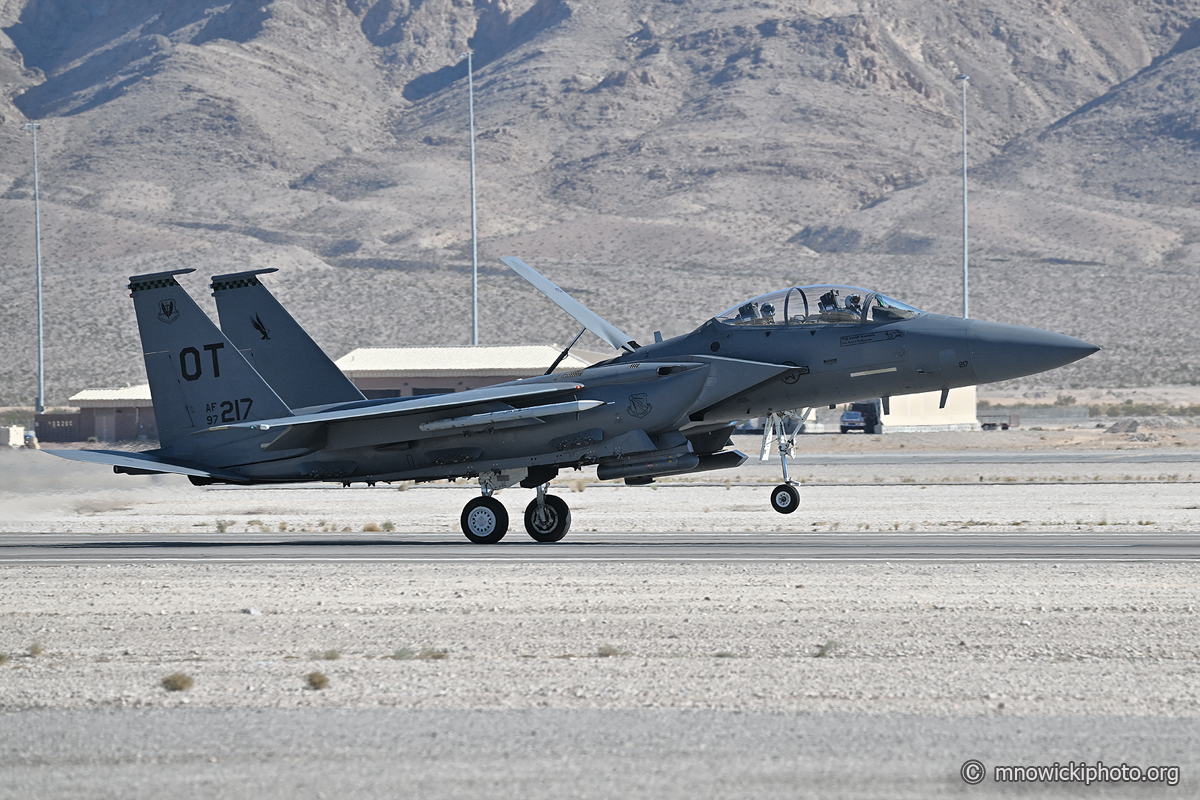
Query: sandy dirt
{"points": [[1112, 639], [1096, 638], [1097, 486]]}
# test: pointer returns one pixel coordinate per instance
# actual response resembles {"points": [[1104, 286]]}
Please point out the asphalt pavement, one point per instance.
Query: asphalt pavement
{"points": [[589, 546], [552, 753], [1156, 456]]}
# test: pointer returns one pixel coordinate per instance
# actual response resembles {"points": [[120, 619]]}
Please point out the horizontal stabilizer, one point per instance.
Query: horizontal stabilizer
{"points": [[147, 462], [584, 315]]}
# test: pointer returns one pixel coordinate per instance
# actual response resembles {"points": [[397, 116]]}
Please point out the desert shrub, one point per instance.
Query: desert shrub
{"points": [[424, 654], [177, 682], [825, 650]]}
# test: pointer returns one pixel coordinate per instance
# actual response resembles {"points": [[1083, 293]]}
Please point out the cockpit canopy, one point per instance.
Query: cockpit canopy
{"points": [[818, 305]]}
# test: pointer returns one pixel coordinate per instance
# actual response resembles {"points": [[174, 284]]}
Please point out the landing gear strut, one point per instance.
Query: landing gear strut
{"points": [[785, 498], [547, 517]]}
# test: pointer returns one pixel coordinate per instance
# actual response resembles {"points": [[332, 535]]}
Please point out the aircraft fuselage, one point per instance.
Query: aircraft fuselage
{"points": [[661, 388]]}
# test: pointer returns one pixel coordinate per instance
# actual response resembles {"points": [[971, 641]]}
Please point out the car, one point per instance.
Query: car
{"points": [[853, 421]]}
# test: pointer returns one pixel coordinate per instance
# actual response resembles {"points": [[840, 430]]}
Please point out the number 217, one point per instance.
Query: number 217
{"points": [[231, 410]]}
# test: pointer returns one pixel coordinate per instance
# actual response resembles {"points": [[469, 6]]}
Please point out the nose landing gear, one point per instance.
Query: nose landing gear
{"points": [[785, 498]]}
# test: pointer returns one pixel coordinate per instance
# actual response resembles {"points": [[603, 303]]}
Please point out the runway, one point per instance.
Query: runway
{"points": [[539, 754], [1026, 457], [589, 546]]}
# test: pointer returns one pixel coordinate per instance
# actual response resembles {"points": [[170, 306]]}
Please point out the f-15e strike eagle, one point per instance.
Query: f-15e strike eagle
{"points": [[257, 401]]}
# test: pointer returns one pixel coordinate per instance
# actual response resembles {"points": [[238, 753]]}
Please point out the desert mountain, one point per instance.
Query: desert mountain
{"points": [[662, 160]]}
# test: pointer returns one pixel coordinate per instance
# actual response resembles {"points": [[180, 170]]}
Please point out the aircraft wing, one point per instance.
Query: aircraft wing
{"points": [[584, 315], [470, 397], [145, 462]]}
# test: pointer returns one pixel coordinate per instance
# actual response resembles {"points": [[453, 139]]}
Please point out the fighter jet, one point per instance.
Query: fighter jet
{"points": [[256, 401]]}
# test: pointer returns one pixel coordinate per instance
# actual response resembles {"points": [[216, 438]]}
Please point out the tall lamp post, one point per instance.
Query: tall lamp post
{"points": [[474, 242], [964, 78], [40, 405]]}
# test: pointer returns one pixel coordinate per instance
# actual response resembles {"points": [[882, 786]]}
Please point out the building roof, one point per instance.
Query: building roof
{"points": [[483, 360], [516, 361], [129, 397]]}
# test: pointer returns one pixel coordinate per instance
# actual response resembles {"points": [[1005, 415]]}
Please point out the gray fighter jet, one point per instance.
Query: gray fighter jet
{"points": [[257, 401]]}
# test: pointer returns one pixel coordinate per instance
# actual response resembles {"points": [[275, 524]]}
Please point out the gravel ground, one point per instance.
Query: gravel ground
{"points": [[551, 679], [1026, 638], [40, 493], [1165, 506]]}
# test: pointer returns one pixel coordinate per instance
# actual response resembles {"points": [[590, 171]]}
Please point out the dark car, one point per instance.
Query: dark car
{"points": [[853, 421]]}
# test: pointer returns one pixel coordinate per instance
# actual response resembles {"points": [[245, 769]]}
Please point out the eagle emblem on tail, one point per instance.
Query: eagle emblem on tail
{"points": [[260, 327]]}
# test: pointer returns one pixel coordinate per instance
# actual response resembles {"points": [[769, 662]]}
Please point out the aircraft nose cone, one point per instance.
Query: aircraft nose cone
{"points": [[1002, 352]]}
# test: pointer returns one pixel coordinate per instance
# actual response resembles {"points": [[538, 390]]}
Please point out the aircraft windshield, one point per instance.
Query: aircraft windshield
{"points": [[818, 305]]}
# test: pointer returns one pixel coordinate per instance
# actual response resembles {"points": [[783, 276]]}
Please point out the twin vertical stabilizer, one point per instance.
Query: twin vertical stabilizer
{"points": [[198, 379]]}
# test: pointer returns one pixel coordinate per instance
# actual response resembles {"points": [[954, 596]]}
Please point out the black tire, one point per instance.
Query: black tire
{"points": [[484, 520], [844, 429], [552, 524], [785, 498]]}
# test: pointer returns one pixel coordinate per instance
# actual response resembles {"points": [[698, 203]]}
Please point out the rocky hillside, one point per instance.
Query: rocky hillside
{"points": [[662, 159]]}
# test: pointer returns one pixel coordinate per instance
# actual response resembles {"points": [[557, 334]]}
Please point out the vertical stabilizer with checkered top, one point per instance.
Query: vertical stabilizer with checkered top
{"points": [[270, 339], [198, 379]]}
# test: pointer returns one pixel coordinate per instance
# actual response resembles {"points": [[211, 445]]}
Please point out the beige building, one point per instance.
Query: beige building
{"points": [[121, 415], [115, 415], [408, 371], [911, 413], [920, 412]]}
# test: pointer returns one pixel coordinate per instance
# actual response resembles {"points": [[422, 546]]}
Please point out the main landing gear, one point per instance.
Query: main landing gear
{"points": [[484, 520], [785, 498], [547, 517]]}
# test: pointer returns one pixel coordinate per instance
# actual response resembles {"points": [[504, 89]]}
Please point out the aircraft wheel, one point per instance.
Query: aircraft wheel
{"points": [[551, 522], [785, 498], [484, 520]]}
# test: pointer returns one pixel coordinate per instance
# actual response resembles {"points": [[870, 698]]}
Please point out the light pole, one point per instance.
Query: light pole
{"points": [[40, 405], [964, 78], [474, 242]]}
